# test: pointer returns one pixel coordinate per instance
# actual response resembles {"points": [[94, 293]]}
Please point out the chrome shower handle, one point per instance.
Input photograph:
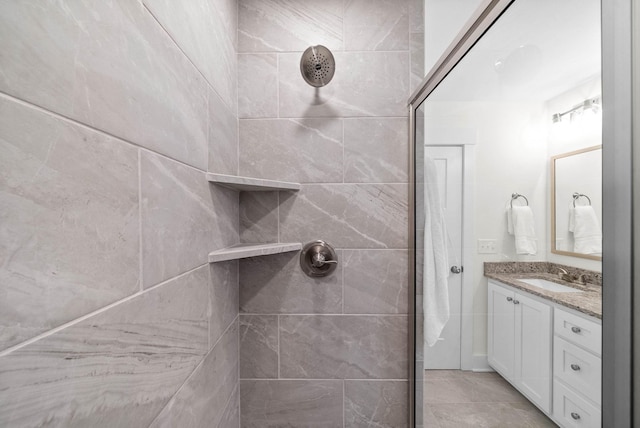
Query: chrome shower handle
{"points": [[318, 260]]}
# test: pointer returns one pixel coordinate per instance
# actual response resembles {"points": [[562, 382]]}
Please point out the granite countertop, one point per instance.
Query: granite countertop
{"points": [[588, 301]]}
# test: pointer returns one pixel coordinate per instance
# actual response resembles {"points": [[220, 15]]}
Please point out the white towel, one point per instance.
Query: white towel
{"points": [[436, 259], [587, 236], [520, 223]]}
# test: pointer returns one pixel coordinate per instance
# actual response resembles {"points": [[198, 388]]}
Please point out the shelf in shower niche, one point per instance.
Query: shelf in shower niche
{"points": [[252, 184], [241, 251]]}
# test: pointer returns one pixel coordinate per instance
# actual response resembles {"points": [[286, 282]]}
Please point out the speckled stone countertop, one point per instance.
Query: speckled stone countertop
{"points": [[589, 301]]}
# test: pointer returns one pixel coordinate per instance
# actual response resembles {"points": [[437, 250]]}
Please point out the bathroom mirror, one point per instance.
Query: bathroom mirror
{"points": [[576, 181]]}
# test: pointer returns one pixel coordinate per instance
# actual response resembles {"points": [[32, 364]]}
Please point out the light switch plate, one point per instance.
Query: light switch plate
{"points": [[487, 246]]}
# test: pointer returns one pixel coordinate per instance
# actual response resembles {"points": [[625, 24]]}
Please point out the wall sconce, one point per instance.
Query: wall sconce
{"points": [[590, 105]]}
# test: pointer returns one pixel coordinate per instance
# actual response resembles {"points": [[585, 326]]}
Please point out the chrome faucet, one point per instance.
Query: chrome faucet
{"points": [[576, 279], [564, 275]]}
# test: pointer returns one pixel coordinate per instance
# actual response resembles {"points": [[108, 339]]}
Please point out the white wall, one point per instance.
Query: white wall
{"points": [[567, 137], [443, 21], [514, 142]]}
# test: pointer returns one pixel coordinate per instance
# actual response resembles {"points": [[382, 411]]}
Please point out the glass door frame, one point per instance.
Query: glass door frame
{"points": [[618, 201]]}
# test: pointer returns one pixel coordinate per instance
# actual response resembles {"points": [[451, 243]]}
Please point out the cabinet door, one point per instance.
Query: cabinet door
{"points": [[501, 332], [533, 350]]}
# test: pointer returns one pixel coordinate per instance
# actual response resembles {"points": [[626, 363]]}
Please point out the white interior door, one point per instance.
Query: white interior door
{"points": [[446, 353]]}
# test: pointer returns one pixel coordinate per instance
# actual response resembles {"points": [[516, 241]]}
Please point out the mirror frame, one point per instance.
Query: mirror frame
{"points": [[554, 250]]}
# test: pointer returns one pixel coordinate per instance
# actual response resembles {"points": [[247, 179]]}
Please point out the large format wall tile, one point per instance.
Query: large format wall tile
{"points": [[205, 31], [291, 403], [376, 150], [416, 13], [376, 281], [376, 403], [343, 347], [257, 85], [365, 84], [258, 217], [109, 65], [276, 284], [231, 414], [346, 215], [299, 150], [289, 25], [224, 297], [258, 346], [417, 62], [69, 234], [118, 368], [183, 218], [223, 137], [376, 25], [204, 396]]}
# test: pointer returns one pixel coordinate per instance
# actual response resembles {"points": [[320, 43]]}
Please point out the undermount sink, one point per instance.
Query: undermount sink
{"points": [[549, 285]]}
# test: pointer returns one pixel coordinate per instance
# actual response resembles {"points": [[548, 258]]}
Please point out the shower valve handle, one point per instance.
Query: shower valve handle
{"points": [[318, 260]]}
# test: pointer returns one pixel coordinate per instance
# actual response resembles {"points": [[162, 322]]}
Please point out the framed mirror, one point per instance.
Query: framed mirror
{"points": [[576, 203]]}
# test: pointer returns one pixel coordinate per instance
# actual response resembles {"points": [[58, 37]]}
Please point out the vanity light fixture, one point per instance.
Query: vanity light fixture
{"points": [[590, 105]]}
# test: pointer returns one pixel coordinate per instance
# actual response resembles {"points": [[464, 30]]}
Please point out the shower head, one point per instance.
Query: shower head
{"points": [[317, 66]]}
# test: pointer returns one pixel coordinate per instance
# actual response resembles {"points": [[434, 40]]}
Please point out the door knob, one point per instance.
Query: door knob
{"points": [[457, 269]]}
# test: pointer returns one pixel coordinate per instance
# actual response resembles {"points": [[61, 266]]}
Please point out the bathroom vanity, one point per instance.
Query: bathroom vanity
{"points": [[544, 337]]}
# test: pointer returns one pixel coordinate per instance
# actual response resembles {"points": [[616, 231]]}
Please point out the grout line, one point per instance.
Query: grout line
{"points": [[341, 51], [322, 117], [342, 272], [354, 183], [93, 129], [94, 313], [324, 379], [344, 396], [344, 160], [278, 215], [278, 84], [238, 383], [140, 235], [322, 315]]}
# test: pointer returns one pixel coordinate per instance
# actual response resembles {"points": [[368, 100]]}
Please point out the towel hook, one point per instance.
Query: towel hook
{"points": [[577, 195], [515, 196]]}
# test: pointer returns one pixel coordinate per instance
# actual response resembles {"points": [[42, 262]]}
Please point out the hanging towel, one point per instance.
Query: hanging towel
{"points": [[520, 224], [436, 259], [587, 236]]}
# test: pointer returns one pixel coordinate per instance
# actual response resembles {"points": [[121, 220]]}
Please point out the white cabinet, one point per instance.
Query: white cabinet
{"points": [[520, 340], [577, 370]]}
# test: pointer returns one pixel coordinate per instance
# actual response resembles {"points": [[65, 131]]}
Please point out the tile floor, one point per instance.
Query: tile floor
{"points": [[458, 399]]}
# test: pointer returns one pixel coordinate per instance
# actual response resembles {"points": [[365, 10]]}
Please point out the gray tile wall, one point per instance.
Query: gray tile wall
{"points": [[326, 352], [110, 115]]}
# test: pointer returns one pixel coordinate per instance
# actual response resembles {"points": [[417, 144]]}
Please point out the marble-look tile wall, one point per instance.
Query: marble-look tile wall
{"points": [[326, 352], [111, 113]]}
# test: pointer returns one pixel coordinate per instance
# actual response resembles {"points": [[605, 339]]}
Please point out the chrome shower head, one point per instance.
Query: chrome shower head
{"points": [[317, 66]]}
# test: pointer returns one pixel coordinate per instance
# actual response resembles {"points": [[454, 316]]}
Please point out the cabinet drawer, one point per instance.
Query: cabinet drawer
{"points": [[578, 368], [578, 330], [570, 410]]}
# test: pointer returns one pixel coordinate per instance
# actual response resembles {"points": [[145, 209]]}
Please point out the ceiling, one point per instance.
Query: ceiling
{"points": [[535, 51]]}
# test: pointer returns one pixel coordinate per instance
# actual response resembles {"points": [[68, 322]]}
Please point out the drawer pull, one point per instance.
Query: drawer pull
{"points": [[575, 367], [575, 415], [516, 302], [576, 329], [509, 299]]}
